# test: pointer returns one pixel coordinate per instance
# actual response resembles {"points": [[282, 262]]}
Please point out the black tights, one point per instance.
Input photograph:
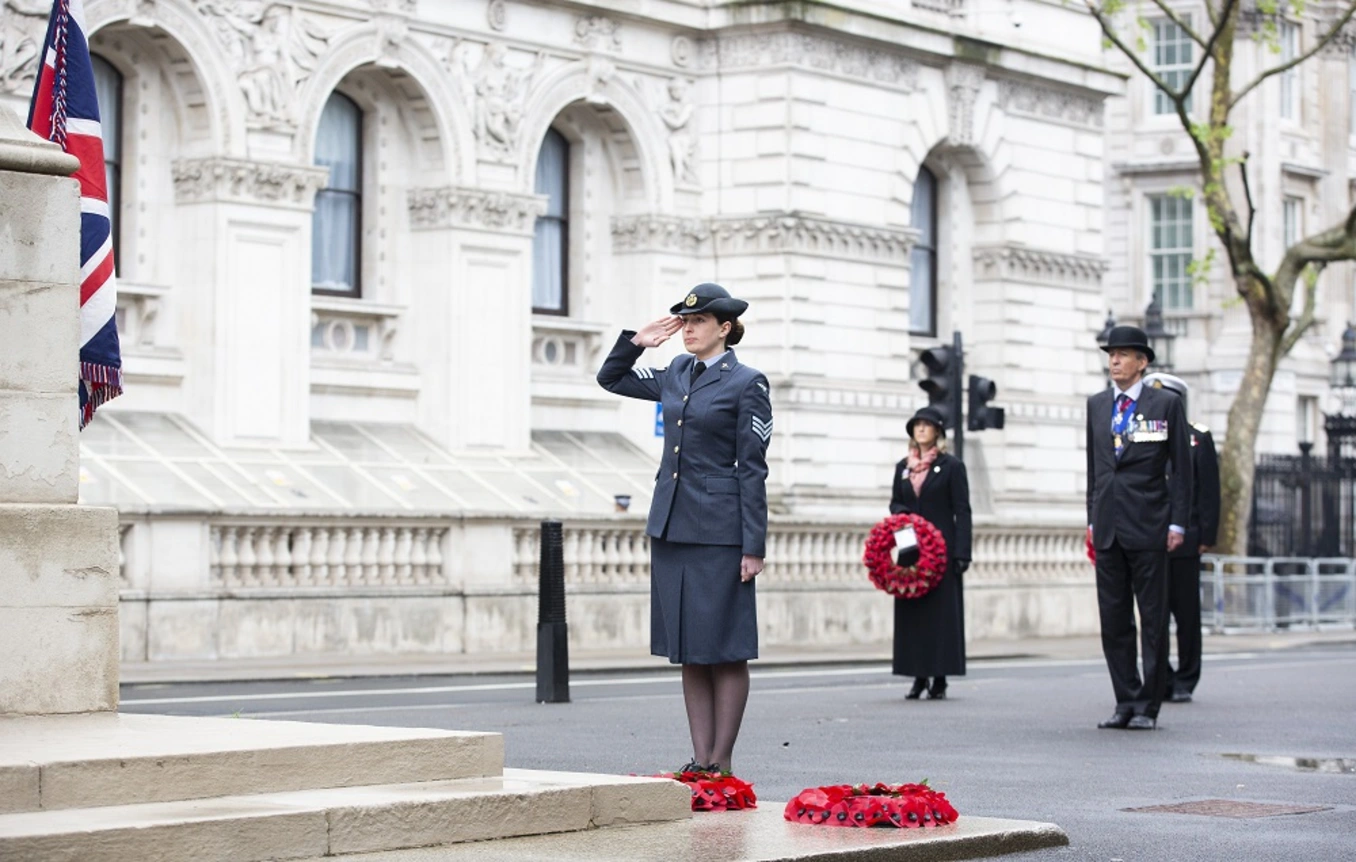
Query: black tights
{"points": [[715, 695]]}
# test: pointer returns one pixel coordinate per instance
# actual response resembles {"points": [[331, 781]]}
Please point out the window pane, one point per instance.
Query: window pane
{"points": [[549, 244], [1170, 228], [922, 290], [338, 141], [923, 215], [334, 251], [1173, 56]]}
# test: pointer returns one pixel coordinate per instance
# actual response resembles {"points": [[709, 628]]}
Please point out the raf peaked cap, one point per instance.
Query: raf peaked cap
{"points": [[1129, 336], [927, 414], [712, 299], [1170, 382]]}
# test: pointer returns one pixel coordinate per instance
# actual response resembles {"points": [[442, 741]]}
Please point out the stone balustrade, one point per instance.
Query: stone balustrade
{"points": [[325, 555]]}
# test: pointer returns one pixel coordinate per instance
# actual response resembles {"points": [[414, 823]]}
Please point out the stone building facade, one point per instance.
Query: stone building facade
{"points": [[372, 252]]}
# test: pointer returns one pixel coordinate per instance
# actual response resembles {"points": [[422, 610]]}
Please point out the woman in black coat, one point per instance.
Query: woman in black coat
{"points": [[930, 631]]}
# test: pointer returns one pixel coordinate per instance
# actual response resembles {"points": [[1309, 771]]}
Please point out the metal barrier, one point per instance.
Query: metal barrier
{"points": [[1275, 593]]}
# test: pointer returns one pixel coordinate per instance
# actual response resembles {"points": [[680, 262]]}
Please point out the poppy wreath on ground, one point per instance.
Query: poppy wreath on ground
{"points": [[905, 806], [716, 791], [905, 582]]}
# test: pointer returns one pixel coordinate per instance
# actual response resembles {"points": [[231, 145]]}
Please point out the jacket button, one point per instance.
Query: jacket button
{"points": [[684, 397], [675, 475], [680, 423], [675, 450]]}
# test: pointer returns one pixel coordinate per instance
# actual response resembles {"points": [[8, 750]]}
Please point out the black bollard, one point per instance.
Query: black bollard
{"points": [[553, 648]]}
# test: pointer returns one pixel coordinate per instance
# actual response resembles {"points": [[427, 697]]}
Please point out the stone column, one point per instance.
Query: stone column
{"points": [[58, 560]]}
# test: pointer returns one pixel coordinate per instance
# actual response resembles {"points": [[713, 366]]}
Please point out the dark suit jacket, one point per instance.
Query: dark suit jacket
{"points": [[944, 502], [1133, 500], [711, 488], [1204, 527]]}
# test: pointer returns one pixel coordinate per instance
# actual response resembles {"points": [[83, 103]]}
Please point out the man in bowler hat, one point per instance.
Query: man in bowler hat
{"points": [[1184, 564], [1139, 503]]}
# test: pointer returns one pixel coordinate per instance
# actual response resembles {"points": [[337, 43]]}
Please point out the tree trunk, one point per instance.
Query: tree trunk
{"points": [[1240, 440]]}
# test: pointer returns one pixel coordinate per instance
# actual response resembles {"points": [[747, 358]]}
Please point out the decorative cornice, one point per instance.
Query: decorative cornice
{"points": [[1050, 103], [755, 50], [223, 179], [1034, 264], [457, 206], [659, 233], [815, 236]]}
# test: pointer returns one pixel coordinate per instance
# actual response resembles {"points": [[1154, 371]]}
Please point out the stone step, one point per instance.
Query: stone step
{"points": [[86, 761], [345, 820]]}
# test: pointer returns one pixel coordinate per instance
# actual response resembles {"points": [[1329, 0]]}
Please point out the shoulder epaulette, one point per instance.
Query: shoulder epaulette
{"points": [[1201, 427]]}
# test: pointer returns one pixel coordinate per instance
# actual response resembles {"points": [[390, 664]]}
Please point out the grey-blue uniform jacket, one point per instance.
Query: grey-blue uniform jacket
{"points": [[711, 488]]}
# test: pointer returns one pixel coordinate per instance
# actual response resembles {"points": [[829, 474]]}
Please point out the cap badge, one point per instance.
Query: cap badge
{"points": [[691, 300]]}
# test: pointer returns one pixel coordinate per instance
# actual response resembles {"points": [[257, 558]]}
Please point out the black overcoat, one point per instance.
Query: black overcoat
{"points": [[930, 631]]}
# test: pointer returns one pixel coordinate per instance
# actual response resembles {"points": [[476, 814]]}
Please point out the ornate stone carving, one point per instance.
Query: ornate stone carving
{"points": [[963, 81], [1050, 103], [601, 70], [815, 236], [457, 206], [681, 51], [499, 91], [217, 179], [816, 52], [274, 49], [676, 112], [404, 7], [659, 233], [1034, 264], [597, 32], [496, 15], [22, 23]]}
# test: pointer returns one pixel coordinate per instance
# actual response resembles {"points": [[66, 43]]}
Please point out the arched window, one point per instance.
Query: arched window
{"points": [[923, 258], [550, 246], [336, 232], [108, 89]]}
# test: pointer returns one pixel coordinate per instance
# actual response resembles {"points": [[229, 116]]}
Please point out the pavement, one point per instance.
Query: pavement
{"points": [[500, 663]]}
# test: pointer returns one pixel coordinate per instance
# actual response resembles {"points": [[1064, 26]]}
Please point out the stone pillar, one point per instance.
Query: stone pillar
{"points": [[58, 560]]}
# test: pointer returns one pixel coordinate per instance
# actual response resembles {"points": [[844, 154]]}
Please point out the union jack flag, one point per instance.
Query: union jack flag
{"points": [[65, 109]]}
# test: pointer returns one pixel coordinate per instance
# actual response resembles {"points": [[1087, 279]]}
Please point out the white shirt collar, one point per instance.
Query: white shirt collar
{"points": [[1134, 391]]}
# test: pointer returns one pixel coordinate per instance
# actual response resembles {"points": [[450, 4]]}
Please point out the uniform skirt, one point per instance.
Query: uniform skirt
{"points": [[700, 611]]}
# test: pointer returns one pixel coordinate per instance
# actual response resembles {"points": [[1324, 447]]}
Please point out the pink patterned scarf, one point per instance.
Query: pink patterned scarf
{"points": [[919, 465]]}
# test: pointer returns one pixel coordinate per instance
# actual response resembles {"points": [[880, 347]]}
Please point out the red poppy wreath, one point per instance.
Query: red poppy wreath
{"points": [[905, 806], [716, 791], [905, 582]]}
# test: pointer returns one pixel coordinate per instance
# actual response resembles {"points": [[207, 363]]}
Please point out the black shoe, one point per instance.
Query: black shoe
{"points": [[1117, 721], [937, 691], [1180, 696], [1142, 722], [691, 766], [920, 685]]}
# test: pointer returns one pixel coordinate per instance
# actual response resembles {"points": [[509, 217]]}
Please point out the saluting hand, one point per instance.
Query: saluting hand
{"points": [[656, 333], [749, 567]]}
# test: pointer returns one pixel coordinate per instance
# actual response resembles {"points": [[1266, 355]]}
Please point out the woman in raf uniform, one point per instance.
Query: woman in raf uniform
{"points": [[708, 518], [930, 630]]}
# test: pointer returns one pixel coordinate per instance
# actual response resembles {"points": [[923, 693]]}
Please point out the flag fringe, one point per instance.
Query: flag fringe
{"points": [[103, 383]]}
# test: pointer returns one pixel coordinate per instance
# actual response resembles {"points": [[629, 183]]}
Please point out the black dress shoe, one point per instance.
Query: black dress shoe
{"points": [[1142, 722], [937, 691], [1180, 696], [1117, 721], [920, 685], [691, 766]]}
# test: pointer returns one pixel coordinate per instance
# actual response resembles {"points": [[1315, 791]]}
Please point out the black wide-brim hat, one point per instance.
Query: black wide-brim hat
{"points": [[711, 299], [1129, 336], [927, 414]]}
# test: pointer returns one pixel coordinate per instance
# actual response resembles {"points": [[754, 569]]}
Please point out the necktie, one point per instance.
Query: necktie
{"points": [[697, 370], [1118, 424]]}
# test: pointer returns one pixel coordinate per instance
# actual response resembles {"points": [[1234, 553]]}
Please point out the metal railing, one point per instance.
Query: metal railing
{"points": [[1275, 593]]}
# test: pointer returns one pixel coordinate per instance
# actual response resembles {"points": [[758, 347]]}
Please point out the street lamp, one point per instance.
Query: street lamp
{"points": [[1344, 363], [1105, 335], [1159, 338]]}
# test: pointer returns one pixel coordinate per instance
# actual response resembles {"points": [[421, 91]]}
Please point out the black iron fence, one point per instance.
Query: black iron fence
{"points": [[1304, 505]]}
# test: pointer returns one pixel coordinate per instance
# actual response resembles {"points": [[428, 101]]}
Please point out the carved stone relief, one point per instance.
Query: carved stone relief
{"points": [[659, 233], [456, 206], [597, 32], [499, 90], [217, 179], [1049, 103], [496, 15], [963, 81], [274, 49], [676, 109], [22, 24], [681, 51], [751, 50]]}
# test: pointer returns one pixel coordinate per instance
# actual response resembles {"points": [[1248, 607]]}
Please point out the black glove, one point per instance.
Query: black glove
{"points": [[961, 566]]}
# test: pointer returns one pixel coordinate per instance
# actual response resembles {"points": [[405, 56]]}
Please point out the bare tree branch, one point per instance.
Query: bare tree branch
{"points": [[1111, 35], [1179, 21], [1290, 64], [1209, 52], [1247, 194], [1216, 19], [1306, 319]]}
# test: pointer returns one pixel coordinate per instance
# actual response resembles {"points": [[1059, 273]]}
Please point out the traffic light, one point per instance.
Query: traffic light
{"points": [[982, 391], [942, 384]]}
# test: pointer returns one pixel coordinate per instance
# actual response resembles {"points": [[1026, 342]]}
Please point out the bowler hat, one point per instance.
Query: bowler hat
{"points": [[927, 414], [711, 299], [1129, 336]]}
